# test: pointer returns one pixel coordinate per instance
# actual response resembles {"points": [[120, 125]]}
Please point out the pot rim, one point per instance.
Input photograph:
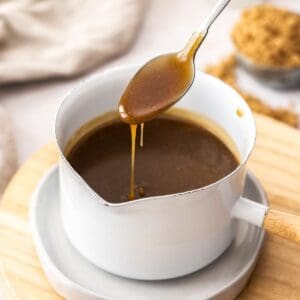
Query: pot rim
{"points": [[153, 198]]}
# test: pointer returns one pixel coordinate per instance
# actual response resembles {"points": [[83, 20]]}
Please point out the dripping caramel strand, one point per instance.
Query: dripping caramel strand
{"points": [[142, 135], [133, 138]]}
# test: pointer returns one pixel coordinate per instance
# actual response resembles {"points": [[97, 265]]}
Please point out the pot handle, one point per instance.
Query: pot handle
{"points": [[274, 221]]}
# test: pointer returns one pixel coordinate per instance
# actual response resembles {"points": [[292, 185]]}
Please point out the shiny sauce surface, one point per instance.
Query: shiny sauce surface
{"points": [[177, 156]]}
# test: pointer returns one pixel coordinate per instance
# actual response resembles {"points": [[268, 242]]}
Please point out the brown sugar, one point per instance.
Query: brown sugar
{"points": [[225, 70], [269, 36]]}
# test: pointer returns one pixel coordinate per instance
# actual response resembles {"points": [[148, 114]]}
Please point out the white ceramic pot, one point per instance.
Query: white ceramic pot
{"points": [[165, 236]]}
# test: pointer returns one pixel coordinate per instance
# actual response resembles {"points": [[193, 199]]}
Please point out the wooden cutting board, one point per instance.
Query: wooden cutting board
{"points": [[275, 161]]}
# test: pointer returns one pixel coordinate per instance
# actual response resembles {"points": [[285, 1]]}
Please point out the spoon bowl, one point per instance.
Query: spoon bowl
{"points": [[159, 84]]}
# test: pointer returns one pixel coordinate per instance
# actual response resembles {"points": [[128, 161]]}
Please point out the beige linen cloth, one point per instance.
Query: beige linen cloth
{"points": [[7, 150], [41, 39], [60, 38]]}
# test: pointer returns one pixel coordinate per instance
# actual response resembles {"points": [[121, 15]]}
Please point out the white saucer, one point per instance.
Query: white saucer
{"points": [[75, 278]]}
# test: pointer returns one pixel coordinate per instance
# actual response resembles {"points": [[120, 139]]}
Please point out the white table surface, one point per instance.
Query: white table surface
{"points": [[166, 27]]}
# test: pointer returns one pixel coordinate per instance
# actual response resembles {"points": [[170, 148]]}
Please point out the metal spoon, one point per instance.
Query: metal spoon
{"points": [[162, 81]]}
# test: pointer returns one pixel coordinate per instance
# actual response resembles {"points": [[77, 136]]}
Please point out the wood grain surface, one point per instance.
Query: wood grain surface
{"points": [[275, 161], [283, 224]]}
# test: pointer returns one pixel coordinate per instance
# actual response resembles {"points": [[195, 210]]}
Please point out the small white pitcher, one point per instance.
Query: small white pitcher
{"points": [[165, 236]]}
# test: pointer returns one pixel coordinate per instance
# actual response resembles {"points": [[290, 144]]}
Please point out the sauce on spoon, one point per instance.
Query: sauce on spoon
{"points": [[159, 84]]}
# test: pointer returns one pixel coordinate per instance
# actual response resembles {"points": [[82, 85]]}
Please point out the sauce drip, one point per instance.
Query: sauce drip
{"points": [[158, 85], [142, 135], [133, 138], [239, 112]]}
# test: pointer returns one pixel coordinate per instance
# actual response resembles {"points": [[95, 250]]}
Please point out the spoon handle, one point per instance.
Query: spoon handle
{"points": [[218, 8], [283, 224], [198, 37]]}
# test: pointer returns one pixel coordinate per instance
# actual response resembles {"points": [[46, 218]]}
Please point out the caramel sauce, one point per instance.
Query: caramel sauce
{"points": [[183, 152], [133, 128], [158, 85], [239, 112], [142, 135]]}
